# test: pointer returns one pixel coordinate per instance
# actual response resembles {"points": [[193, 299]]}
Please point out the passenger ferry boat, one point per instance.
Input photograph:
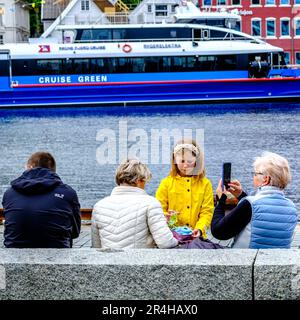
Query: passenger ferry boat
{"points": [[193, 59]]}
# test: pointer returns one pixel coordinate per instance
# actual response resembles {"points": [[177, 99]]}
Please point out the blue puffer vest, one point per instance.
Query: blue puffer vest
{"points": [[273, 222]]}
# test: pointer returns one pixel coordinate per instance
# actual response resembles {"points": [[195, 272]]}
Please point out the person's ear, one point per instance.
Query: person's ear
{"points": [[266, 180]]}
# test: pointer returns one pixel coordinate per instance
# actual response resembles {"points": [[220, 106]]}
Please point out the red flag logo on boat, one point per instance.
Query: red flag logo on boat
{"points": [[44, 48]]}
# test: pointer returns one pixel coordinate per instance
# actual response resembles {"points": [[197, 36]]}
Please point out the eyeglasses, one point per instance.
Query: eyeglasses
{"points": [[257, 173]]}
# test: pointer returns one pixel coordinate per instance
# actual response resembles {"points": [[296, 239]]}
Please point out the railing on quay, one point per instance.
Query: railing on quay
{"points": [[86, 214]]}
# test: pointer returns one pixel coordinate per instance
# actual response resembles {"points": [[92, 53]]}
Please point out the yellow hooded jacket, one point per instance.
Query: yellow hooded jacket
{"points": [[191, 196]]}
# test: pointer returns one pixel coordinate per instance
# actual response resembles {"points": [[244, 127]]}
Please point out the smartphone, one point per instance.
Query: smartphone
{"points": [[226, 174]]}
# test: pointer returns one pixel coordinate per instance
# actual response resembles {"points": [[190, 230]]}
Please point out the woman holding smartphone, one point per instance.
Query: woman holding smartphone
{"points": [[265, 220]]}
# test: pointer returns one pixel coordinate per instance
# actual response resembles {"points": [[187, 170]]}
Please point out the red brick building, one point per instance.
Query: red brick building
{"points": [[275, 21]]}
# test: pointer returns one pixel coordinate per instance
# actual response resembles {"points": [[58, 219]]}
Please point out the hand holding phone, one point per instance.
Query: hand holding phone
{"points": [[226, 175]]}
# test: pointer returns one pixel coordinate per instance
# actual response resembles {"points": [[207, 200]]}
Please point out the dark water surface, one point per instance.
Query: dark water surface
{"points": [[232, 132]]}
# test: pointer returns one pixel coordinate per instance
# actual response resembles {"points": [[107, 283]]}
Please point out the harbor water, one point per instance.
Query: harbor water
{"points": [[75, 136]]}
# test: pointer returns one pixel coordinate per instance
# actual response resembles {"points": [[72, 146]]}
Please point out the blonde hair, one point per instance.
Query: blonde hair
{"points": [[193, 147], [132, 170], [276, 167]]}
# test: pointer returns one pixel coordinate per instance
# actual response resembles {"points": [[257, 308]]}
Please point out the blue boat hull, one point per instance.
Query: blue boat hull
{"points": [[151, 92]]}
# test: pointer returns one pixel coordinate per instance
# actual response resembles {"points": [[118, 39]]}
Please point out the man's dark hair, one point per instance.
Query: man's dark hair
{"points": [[42, 160]]}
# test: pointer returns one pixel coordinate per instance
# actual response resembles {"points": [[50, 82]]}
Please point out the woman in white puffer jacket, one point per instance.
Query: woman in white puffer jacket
{"points": [[129, 218]]}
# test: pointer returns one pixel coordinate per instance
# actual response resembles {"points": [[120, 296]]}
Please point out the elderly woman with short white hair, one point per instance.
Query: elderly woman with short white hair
{"points": [[264, 220], [129, 218]]}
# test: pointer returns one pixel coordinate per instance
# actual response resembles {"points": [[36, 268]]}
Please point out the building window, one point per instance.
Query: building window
{"points": [[161, 10], [149, 8], [297, 1], [297, 27], [85, 5], [297, 57], [270, 27], [270, 3], [255, 2], [256, 28], [287, 57], [206, 2], [236, 2], [284, 2], [1, 39], [285, 27], [221, 2]]}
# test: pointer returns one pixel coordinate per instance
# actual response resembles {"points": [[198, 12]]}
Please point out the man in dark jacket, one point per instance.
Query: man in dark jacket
{"points": [[40, 210]]}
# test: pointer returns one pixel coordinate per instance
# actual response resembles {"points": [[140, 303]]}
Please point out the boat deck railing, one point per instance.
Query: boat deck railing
{"points": [[287, 66]]}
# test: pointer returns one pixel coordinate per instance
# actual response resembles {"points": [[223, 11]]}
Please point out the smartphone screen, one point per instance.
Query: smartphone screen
{"points": [[226, 174]]}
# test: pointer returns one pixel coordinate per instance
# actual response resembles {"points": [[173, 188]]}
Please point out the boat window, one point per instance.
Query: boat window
{"points": [[67, 66], [137, 65], [151, 64], [226, 62], [85, 35], [96, 65], [4, 68], [53, 66], [205, 63], [132, 64], [81, 66], [102, 34], [133, 34], [119, 34]]}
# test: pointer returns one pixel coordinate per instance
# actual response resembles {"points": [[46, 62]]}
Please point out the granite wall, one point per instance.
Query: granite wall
{"points": [[149, 274]]}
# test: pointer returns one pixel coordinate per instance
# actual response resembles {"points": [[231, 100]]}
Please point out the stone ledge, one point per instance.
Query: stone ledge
{"points": [[277, 275], [133, 274]]}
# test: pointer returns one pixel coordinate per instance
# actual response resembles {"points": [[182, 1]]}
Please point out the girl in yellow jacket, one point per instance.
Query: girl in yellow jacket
{"points": [[187, 190]]}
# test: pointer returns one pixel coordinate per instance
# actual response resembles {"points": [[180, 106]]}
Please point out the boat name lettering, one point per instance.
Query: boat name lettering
{"points": [[78, 48], [162, 46], [84, 79], [53, 79]]}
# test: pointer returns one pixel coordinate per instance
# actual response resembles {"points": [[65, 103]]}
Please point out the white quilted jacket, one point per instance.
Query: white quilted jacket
{"points": [[129, 218]]}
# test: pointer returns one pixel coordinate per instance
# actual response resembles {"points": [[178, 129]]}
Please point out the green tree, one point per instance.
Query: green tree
{"points": [[36, 27]]}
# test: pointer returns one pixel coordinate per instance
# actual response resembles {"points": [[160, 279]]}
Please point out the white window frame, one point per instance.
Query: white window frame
{"points": [[238, 5], [284, 36], [85, 5], [270, 5], [285, 5], [165, 12], [255, 5], [274, 20], [296, 57], [295, 24], [206, 5], [255, 20]]}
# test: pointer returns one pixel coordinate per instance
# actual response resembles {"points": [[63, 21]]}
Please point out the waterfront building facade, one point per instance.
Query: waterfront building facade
{"points": [[14, 21], [276, 21]]}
